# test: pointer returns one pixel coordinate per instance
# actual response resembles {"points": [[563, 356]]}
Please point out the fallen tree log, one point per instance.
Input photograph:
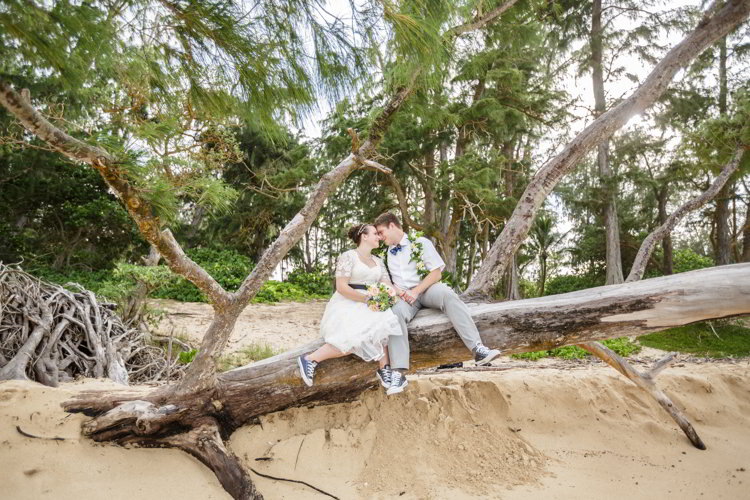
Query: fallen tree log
{"points": [[517, 326]]}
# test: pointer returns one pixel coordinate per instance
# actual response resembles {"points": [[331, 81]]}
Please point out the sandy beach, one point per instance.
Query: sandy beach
{"points": [[552, 430]]}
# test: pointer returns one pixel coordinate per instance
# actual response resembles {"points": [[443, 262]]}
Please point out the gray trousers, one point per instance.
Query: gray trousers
{"points": [[438, 296]]}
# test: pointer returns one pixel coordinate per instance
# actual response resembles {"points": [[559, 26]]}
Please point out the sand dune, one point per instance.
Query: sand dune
{"points": [[578, 433]]}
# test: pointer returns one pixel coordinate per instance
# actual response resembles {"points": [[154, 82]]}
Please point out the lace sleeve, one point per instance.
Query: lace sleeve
{"points": [[344, 265], [384, 277]]}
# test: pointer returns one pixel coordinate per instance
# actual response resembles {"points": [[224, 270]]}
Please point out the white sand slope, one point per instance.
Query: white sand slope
{"points": [[583, 433]]}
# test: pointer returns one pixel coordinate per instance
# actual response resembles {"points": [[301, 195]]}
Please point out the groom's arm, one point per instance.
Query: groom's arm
{"points": [[434, 263], [413, 294], [428, 281]]}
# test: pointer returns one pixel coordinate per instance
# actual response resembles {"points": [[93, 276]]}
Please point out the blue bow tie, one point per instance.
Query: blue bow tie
{"points": [[396, 249]]}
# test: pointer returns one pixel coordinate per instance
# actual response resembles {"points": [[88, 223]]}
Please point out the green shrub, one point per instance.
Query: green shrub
{"points": [[186, 357], [683, 260], [571, 283], [686, 260], [622, 346], [318, 282], [227, 267], [91, 280], [277, 291]]}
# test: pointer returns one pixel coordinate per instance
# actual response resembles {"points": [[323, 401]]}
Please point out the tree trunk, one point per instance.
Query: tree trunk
{"points": [[542, 272], [746, 235], [666, 244], [195, 225], [611, 224], [716, 23], [512, 284], [429, 190], [472, 257], [721, 215]]}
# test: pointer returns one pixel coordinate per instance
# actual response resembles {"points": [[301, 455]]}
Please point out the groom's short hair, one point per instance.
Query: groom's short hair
{"points": [[387, 218]]}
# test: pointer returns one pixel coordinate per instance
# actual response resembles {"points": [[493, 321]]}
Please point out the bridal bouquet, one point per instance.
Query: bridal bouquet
{"points": [[380, 297]]}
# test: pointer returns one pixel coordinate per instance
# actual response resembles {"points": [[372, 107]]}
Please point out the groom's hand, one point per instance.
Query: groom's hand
{"points": [[410, 296]]}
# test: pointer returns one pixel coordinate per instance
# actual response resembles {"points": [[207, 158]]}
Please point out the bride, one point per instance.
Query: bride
{"points": [[348, 325]]}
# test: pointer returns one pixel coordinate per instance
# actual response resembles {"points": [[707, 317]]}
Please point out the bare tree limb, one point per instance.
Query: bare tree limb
{"points": [[658, 234], [481, 20], [710, 29], [648, 385], [110, 169]]}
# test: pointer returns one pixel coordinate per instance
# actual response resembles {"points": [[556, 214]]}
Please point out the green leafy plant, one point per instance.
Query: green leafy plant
{"points": [[186, 357], [318, 282], [622, 346]]}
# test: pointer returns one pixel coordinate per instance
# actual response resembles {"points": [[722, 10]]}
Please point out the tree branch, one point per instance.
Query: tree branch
{"points": [[480, 21], [403, 204], [658, 234], [110, 169]]}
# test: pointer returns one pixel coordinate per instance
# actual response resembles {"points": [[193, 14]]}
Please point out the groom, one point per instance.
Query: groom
{"points": [[419, 293]]}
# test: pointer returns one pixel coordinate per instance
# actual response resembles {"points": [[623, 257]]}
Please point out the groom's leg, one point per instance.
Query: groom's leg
{"points": [[398, 345], [440, 296]]}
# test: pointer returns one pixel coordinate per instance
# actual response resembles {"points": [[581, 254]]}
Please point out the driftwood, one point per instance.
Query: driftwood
{"points": [[646, 382], [719, 20], [50, 334]]}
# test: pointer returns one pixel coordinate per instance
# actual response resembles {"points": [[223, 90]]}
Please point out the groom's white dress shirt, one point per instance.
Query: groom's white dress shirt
{"points": [[403, 272]]}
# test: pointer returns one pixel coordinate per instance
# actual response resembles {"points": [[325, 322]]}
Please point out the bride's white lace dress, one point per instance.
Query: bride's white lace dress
{"points": [[351, 326]]}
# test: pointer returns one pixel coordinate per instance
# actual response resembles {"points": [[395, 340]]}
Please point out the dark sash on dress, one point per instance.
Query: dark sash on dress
{"points": [[358, 287]]}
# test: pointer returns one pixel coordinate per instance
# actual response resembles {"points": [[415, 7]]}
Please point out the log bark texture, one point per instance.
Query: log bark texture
{"points": [[719, 20]]}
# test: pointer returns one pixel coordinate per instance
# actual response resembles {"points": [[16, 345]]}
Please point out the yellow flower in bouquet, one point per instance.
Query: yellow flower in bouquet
{"points": [[381, 297]]}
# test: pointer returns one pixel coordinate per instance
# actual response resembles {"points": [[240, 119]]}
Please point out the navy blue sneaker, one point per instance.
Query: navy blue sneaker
{"points": [[384, 375], [484, 355], [398, 383], [307, 370]]}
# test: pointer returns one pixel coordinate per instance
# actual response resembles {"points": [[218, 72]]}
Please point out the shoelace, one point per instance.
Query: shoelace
{"points": [[386, 374], [310, 368], [396, 378], [482, 351]]}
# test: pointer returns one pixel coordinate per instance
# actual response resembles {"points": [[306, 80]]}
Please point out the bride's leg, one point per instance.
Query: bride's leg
{"points": [[326, 351], [385, 360], [307, 363]]}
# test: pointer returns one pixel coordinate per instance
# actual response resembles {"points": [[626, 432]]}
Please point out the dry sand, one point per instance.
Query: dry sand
{"points": [[283, 325], [580, 433], [552, 430]]}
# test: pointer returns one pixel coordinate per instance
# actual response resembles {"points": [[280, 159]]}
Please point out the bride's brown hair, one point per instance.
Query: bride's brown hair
{"points": [[356, 232]]}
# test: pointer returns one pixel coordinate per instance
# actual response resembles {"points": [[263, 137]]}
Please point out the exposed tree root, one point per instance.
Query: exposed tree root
{"points": [[50, 334]]}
